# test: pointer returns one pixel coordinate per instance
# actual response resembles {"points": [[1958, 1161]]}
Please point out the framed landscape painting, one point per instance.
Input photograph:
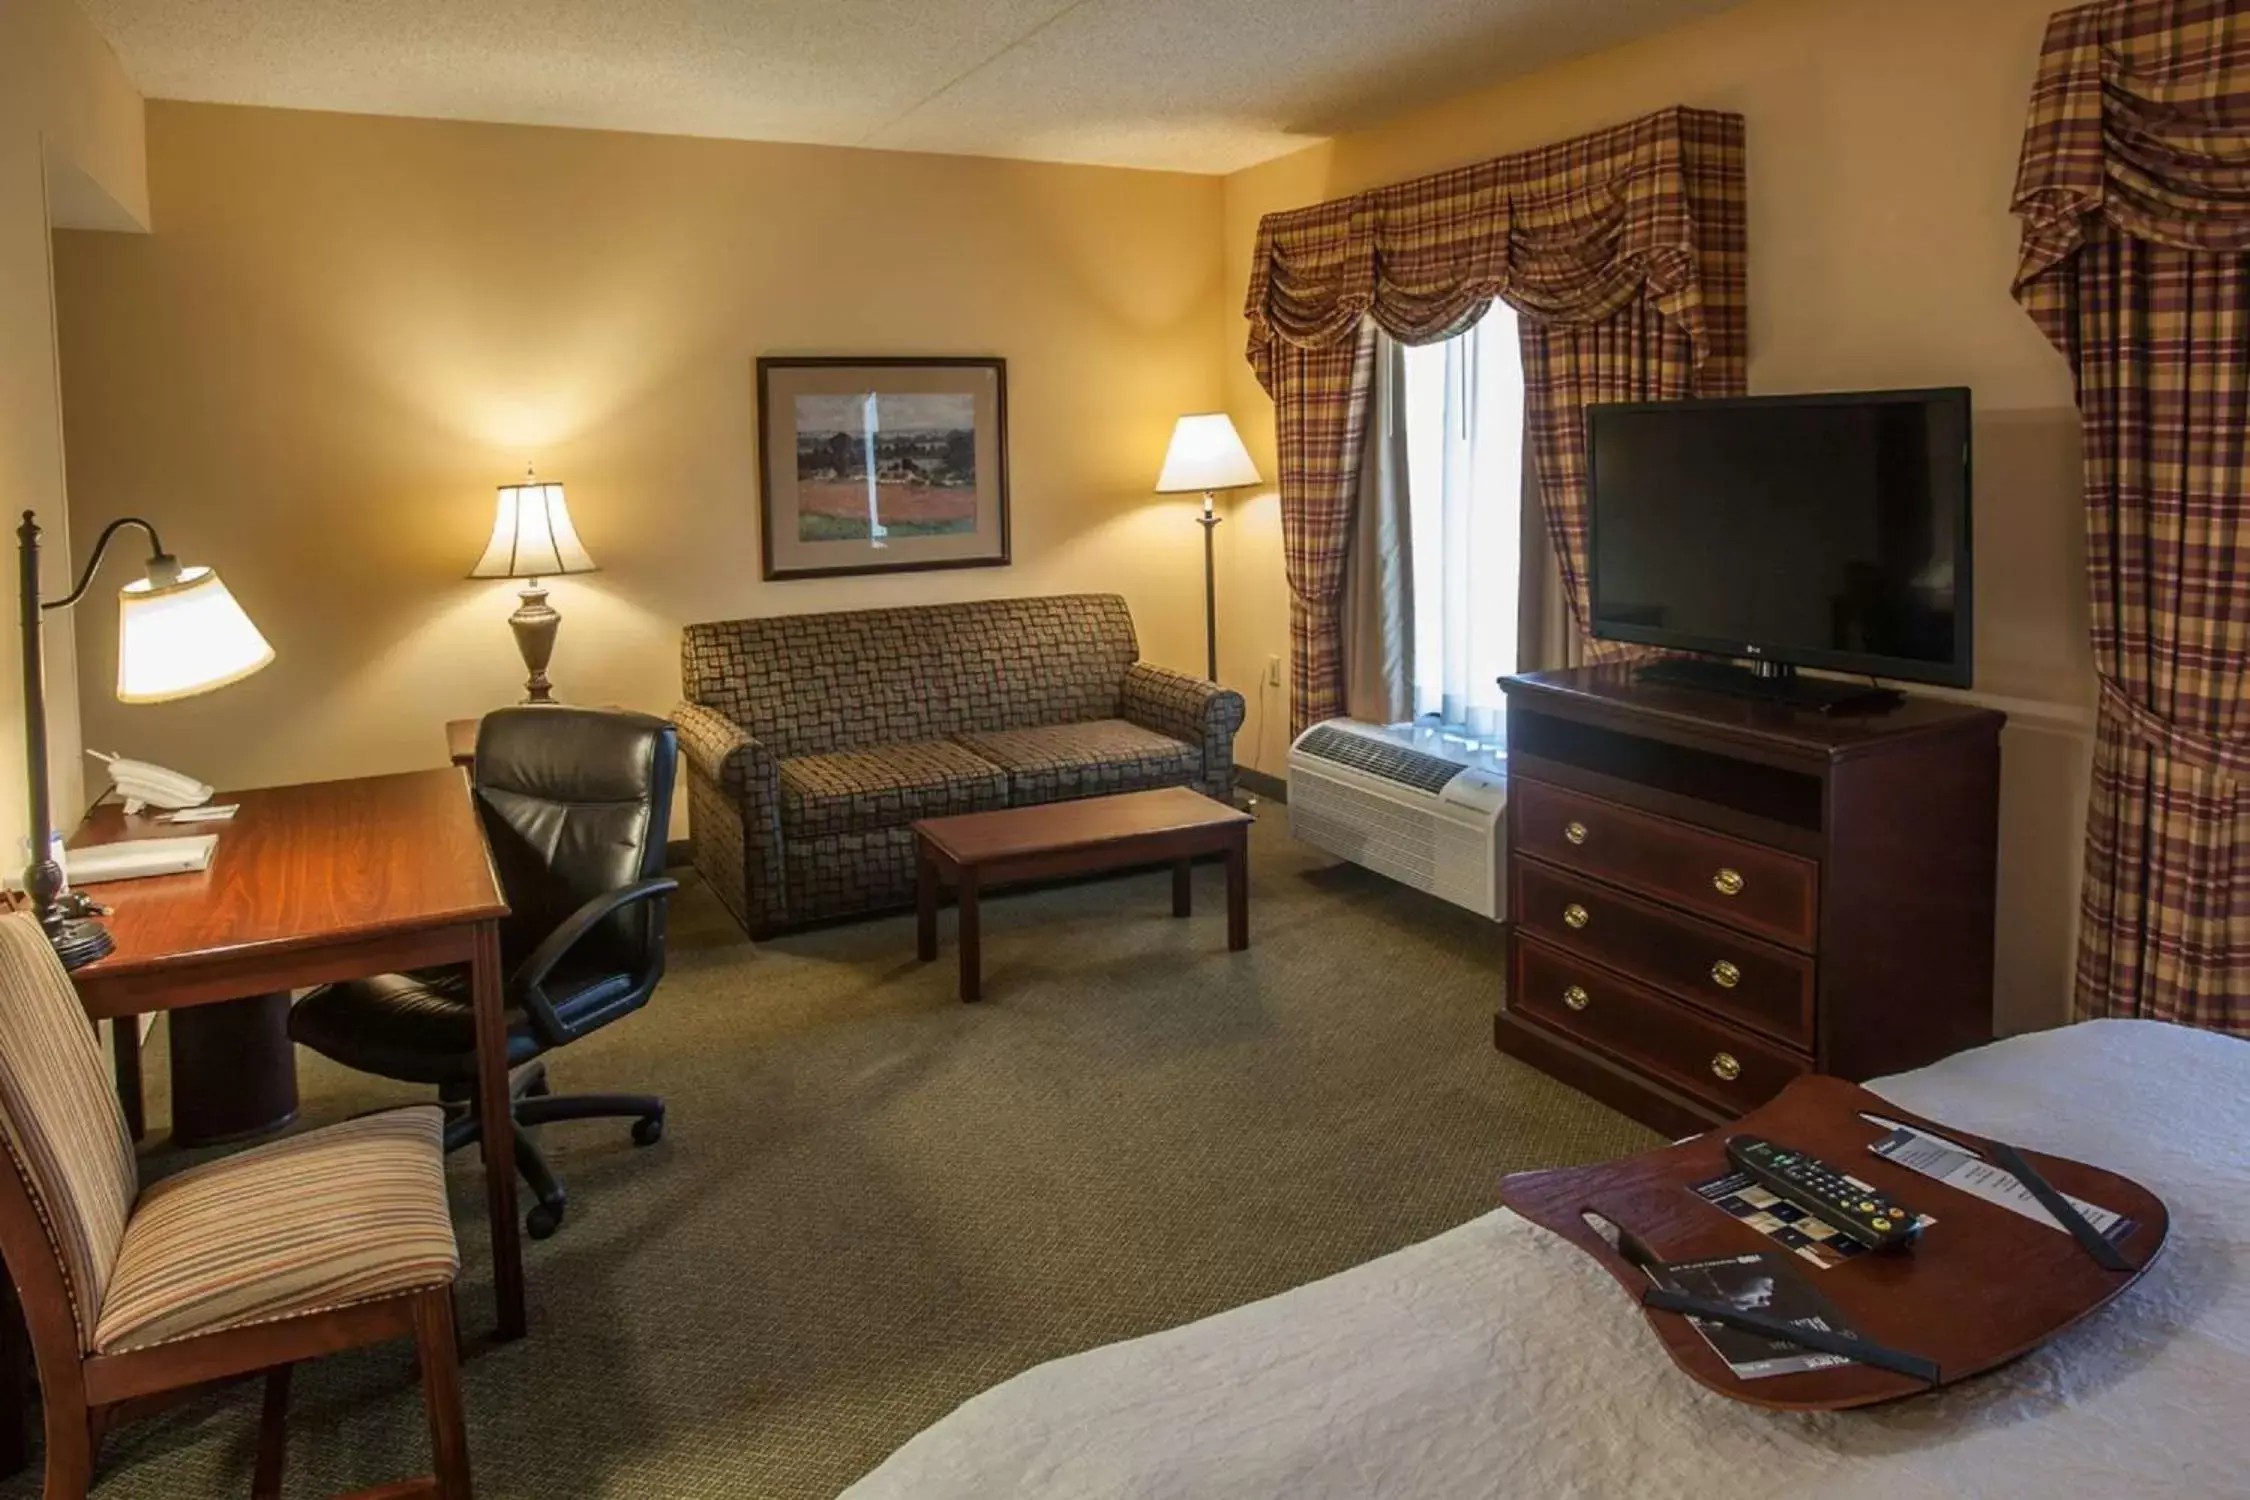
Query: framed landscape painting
{"points": [[882, 465]]}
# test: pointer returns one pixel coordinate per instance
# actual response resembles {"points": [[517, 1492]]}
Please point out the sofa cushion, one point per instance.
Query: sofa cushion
{"points": [[1056, 762], [885, 786]]}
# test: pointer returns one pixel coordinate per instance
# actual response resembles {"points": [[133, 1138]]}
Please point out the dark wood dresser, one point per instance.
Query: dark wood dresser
{"points": [[1711, 895]]}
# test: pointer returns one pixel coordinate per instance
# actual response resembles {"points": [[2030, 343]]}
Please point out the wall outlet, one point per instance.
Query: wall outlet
{"points": [[1273, 671]]}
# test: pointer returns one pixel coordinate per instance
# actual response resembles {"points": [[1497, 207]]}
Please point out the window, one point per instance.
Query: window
{"points": [[1465, 430]]}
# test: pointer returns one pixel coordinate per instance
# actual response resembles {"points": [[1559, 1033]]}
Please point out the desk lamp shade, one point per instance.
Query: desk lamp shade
{"points": [[531, 535], [175, 640], [1206, 454]]}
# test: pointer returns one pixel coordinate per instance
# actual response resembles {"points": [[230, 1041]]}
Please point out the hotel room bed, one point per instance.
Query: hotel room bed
{"points": [[1494, 1360]]}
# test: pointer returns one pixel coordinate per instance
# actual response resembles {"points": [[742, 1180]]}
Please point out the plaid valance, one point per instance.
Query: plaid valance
{"points": [[2138, 121], [1566, 234], [1625, 251]]}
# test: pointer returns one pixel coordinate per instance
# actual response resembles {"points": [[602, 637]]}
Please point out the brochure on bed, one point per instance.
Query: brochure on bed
{"points": [[1763, 1300]]}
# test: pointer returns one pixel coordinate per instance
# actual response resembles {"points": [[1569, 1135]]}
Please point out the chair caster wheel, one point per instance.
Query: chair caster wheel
{"points": [[648, 1130], [543, 1220]]}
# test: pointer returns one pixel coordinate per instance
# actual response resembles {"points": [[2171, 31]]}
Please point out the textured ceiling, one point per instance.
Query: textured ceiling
{"points": [[1192, 85]]}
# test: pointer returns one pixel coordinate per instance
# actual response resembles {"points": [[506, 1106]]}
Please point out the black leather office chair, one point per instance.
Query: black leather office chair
{"points": [[577, 804]]}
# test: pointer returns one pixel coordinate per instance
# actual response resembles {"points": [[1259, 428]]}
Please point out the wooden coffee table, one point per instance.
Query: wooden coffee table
{"points": [[1172, 825]]}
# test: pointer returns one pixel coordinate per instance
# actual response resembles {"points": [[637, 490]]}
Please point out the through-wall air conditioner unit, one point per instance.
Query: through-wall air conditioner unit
{"points": [[1429, 815]]}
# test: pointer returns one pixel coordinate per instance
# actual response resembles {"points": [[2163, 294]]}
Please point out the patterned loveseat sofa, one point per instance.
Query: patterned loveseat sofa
{"points": [[813, 742]]}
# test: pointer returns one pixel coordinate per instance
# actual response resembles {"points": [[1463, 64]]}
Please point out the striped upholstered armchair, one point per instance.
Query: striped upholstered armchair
{"points": [[315, 1243], [813, 742]]}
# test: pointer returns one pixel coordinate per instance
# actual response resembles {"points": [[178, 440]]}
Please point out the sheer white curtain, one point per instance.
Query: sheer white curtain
{"points": [[1464, 428]]}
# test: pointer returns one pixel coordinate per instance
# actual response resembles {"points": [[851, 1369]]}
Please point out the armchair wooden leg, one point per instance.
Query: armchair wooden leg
{"points": [[435, 1342], [273, 1435], [70, 1446]]}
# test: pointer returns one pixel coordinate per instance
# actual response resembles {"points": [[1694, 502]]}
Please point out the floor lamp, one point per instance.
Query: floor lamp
{"points": [[179, 633], [1207, 455]]}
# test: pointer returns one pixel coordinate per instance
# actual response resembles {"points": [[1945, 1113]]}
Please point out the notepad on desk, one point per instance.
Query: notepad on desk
{"points": [[135, 859]]}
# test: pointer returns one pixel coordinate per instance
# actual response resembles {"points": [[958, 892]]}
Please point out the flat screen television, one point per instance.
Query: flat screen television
{"points": [[1817, 531]]}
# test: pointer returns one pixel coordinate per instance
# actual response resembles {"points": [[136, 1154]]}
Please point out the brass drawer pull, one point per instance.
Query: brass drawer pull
{"points": [[1725, 975], [1574, 832], [1576, 997], [1726, 1067], [1727, 882], [1576, 916]]}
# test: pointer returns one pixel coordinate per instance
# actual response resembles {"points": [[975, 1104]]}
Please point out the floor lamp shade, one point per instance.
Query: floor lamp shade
{"points": [[532, 536], [179, 639], [1206, 454]]}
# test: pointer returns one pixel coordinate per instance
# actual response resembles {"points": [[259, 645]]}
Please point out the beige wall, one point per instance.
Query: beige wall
{"points": [[350, 329], [1883, 141], [70, 152]]}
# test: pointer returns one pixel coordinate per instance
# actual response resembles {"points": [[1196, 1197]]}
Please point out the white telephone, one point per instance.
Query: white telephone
{"points": [[144, 785]]}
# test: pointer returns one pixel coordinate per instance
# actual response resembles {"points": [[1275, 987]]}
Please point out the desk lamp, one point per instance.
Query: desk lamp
{"points": [[179, 633], [1207, 455], [532, 538]]}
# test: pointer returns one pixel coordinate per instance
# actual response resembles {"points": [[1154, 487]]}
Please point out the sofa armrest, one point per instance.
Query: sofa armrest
{"points": [[722, 751], [1187, 708], [734, 816]]}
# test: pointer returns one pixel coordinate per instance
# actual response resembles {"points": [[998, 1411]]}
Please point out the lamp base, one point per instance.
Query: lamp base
{"points": [[535, 623], [79, 941]]}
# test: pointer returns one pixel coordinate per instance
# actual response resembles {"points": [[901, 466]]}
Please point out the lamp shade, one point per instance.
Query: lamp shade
{"points": [[179, 639], [1206, 454], [531, 535]]}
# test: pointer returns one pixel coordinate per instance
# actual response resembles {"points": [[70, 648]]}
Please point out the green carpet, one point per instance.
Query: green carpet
{"points": [[873, 1202]]}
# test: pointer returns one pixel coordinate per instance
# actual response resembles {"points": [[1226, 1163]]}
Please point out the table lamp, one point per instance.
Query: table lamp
{"points": [[179, 633], [532, 538], [1207, 455]]}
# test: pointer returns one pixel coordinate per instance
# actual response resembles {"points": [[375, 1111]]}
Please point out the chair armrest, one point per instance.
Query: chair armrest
{"points": [[1186, 708], [722, 751], [527, 985]]}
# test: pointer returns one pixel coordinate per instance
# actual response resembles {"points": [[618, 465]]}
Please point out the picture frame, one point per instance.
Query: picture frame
{"points": [[881, 464]]}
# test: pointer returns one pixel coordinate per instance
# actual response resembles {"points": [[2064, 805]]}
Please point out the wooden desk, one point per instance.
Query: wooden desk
{"points": [[312, 884], [461, 742]]}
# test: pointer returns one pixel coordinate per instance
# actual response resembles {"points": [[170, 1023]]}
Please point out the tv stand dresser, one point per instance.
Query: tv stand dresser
{"points": [[1711, 895]]}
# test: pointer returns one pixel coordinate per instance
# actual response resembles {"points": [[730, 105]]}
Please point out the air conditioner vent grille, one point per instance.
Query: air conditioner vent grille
{"points": [[1393, 763]]}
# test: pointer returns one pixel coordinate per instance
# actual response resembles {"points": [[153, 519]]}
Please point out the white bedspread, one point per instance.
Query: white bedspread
{"points": [[1495, 1360]]}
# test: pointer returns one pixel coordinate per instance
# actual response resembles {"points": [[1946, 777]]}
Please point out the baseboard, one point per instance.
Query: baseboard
{"points": [[1272, 788]]}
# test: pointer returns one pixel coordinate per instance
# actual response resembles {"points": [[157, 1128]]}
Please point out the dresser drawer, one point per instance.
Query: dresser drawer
{"points": [[1745, 885], [1663, 1038], [1751, 983]]}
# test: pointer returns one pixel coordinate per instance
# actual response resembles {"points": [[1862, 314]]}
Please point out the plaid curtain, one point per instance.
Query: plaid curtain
{"points": [[2134, 192], [1623, 250]]}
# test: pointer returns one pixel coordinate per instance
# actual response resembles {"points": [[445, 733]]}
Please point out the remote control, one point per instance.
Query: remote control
{"points": [[1821, 1190]]}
